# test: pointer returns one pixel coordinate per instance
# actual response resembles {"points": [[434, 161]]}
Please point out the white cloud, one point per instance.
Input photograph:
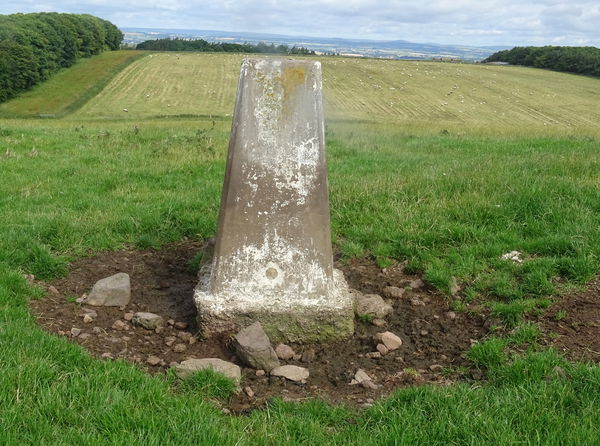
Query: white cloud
{"points": [[476, 22]]}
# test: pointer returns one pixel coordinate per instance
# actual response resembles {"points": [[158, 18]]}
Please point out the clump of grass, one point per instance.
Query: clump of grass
{"points": [[209, 384], [512, 312], [489, 353]]}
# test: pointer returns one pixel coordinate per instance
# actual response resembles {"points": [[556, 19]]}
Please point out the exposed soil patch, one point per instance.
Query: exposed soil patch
{"points": [[572, 324], [434, 338]]}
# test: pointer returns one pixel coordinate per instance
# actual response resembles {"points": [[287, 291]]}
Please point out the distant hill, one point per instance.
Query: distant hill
{"points": [[396, 49]]}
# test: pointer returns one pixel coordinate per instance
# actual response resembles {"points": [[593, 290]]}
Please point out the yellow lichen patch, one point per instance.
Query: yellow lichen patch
{"points": [[291, 78]]}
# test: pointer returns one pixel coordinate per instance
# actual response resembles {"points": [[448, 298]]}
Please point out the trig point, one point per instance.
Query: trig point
{"points": [[273, 261]]}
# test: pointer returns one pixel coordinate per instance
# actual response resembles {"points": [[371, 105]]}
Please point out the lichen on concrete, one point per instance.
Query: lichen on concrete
{"points": [[273, 260]]}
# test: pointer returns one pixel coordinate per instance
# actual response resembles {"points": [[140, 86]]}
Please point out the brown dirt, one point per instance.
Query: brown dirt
{"points": [[572, 324], [433, 347]]}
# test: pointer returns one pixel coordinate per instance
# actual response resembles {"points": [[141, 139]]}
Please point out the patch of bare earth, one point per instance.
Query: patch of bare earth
{"points": [[435, 339], [572, 324]]}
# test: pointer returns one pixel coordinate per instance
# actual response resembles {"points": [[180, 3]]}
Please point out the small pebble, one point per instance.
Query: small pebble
{"points": [[87, 319], [382, 349], [153, 360], [249, 391], [260, 372], [179, 348], [53, 289], [424, 332], [379, 322], [75, 332], [373, 355], [128, 316], [451, 315], [181, 325]]}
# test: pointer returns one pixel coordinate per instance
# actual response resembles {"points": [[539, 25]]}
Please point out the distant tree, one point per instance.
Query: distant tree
{"points": [[581, 60], [177, 44], [34, 46]]}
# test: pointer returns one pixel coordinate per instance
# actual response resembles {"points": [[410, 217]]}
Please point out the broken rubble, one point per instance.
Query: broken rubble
{"points": [[113, 291], [191, 366], [291, 372], [253, 347]]}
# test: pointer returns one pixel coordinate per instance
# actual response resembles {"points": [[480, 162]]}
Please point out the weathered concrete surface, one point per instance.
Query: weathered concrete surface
{"points": [[272, 260]]}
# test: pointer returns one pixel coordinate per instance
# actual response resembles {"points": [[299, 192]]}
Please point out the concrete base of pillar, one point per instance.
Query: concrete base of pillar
{"points": [[307, 320]]}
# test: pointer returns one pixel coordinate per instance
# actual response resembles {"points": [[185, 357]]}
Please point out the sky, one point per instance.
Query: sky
{"points": [[461, 22]]}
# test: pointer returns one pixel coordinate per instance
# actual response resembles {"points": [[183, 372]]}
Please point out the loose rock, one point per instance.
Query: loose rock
{"points": [[284, 352], [451, 315], [153, 360], [379, 322], [390, 340], [149, 321], [416, 284], [372, 305], [53, 289], [113, 291], [75, 332], [128, 317], [364, 380], [416, 302], [248, 390], [119, 325], [87, 319], [191, 366], [179, 348], [291, 372], [382, 349], [253, 347], [181, 325], [393, 292], [373, 355]]}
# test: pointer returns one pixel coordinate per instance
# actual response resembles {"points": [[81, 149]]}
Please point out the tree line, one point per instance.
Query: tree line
{"points": [[35, 46], [178, 44], [571, 59]]}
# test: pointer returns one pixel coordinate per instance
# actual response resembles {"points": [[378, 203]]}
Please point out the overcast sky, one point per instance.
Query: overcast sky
{"points": [[470, 22]]}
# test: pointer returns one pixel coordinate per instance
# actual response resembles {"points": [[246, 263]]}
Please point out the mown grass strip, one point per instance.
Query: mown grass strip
{"points": [[71, 88]]}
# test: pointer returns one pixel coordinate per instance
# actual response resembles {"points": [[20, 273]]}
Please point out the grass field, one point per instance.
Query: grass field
{"points": [[426, 95], [70, 88], [450, 202]]}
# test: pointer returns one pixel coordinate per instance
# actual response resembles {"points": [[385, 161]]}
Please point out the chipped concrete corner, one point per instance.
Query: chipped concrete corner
{"points": [[273, 260]]}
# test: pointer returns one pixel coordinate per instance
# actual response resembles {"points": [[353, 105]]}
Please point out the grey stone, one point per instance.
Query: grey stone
{"points": [[390, 340], [253, 347], [119, 325], [284, 352], [393, 292], [179, 348], [113, 291], [364, 380], [75, 332], [416, 302], [372, 305], [381, 348], [291, 372], [150, 321], [153, 360], [416, 284], [273, 259], [191, 366]]}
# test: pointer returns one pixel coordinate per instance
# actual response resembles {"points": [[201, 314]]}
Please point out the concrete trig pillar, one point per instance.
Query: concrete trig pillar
{"points": [[273, 261]]}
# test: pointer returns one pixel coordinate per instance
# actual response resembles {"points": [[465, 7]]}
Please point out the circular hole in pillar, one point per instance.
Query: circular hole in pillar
{"points": [[271, 273]]}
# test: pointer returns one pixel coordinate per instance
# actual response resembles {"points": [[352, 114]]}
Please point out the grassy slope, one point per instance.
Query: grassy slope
{"points": [[71, 88], [420, 95], [449, 203]]}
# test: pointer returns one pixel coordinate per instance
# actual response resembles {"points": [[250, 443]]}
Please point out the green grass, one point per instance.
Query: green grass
{"points": [[69, 89], [451, 203]]}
